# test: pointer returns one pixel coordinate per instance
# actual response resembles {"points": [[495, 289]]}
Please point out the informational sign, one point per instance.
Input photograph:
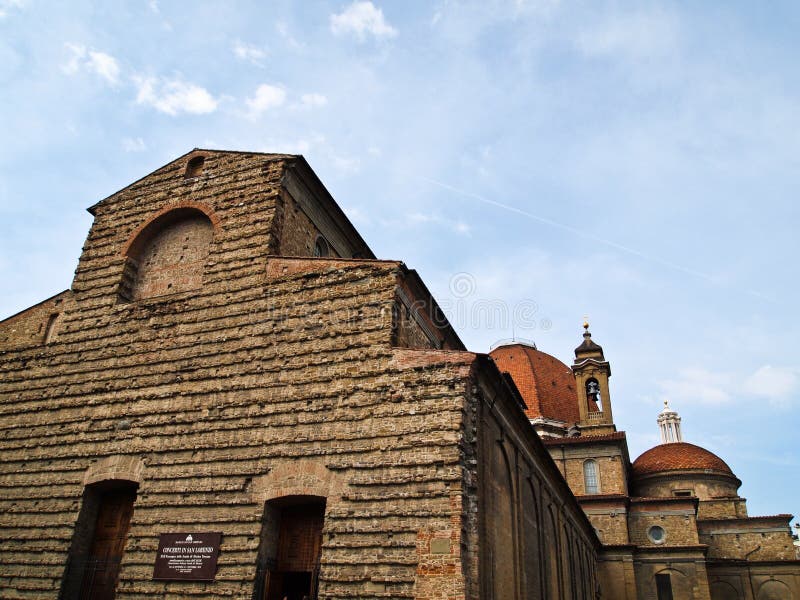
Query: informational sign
{"points": [[187, 556]]}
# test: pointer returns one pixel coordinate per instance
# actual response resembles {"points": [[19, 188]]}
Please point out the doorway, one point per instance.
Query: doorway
{"points": [[291, 545]]}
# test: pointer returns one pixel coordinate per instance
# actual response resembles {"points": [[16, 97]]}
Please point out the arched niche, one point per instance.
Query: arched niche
{"points": [[167, 254], [774, 590]]}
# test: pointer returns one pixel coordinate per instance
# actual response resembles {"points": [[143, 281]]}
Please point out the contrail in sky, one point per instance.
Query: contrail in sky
{"points": [[570, 229], [580, 233]]}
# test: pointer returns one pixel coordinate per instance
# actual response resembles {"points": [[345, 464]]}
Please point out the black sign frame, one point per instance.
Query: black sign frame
{"points": [[187, 556]]}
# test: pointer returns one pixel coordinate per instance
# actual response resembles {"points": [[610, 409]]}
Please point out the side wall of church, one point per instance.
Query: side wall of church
{"points": [[535, 540]]}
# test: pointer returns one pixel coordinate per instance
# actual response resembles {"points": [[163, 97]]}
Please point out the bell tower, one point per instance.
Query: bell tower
{"points": [[591, 372]]}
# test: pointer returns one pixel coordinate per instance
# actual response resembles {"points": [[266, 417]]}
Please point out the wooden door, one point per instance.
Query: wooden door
{"points": [[110, 533]]}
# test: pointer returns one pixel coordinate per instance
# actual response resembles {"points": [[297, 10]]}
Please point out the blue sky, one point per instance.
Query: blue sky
{"points": [[535, 161]]}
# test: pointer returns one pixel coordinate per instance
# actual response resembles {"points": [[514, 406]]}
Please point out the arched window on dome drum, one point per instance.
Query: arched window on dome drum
{"points": [[168, 256], [591, 483]]}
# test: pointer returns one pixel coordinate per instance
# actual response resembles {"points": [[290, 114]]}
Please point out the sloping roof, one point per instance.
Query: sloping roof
{"points": [[679, 456], [584, 439], [547, 385]]}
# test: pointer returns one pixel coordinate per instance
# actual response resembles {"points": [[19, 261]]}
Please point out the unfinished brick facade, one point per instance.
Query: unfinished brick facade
{"points": [[232, 358], [268, 397]]}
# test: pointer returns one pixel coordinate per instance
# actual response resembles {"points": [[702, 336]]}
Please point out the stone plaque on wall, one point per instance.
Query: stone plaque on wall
{"points": [[187, 556]]}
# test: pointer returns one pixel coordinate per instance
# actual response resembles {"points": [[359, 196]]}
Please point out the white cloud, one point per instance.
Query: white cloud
{"points": [[313, 100], [7, 5], [456, 226], [631, 36], [104, 65], [133, 145], [249, 52], [777, 384], [695, 384], [93, 61], [362, 18], [174, 96], [346, 164], [153, 5], [283, 30], [266, 97]]}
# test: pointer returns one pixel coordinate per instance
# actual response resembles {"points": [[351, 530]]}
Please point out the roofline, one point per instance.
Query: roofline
{"points": [[24, 310], [781, 517], [92, 209], [338, 214], [413, 278], [586, 439]]}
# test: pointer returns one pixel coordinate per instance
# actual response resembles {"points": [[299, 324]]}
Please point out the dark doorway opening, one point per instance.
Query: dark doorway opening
{"points": [[290, 548], [99, 541]]}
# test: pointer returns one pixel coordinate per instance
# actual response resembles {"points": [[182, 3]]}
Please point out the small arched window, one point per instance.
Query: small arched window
{"points": [[321, 248], [194, 168], [591, 482]]}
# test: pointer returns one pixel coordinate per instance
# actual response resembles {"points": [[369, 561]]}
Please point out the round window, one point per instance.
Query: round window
{"points": [[656, 534]]}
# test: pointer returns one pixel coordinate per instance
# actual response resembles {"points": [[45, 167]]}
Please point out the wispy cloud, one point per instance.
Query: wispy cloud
{"points": [[776, 384], [249, 52], [361, 19], [313, 100], [696, 384], [133, 144], [7, 6], [700, 385], [174, 96], [283, 30], [455, 225], [93, 61], [629, 36], [265, 98]]}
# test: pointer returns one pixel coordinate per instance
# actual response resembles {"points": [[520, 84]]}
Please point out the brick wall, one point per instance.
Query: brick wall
{"points": [[275, 377], [36, 325], [677, 518]]}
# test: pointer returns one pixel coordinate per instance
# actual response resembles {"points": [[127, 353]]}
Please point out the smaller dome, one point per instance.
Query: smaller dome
{"points": [[679, 456]]}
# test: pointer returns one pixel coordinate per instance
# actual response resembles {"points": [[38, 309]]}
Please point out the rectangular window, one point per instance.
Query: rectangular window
{"points": [[663, 586], [682, 493]]}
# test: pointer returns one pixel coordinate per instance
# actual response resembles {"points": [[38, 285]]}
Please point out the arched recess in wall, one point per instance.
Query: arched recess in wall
{"points": [[552, 550], [672, 583], [774, 590], [532, 555], [503, 530], [167, 254], [567, 563], [722, 590]]}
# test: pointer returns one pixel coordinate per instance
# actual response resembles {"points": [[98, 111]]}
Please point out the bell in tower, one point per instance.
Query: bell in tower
{"points": [[591, 372]]}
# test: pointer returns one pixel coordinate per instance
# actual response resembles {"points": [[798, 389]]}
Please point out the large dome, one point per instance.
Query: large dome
{"points": [[547, 385], [679, 456]]}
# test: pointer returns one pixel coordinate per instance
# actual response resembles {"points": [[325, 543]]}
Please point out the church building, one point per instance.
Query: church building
{"points": [[236, 399]]}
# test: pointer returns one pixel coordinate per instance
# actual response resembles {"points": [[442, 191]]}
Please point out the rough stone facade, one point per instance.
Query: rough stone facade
{"points": [[207, 364]]}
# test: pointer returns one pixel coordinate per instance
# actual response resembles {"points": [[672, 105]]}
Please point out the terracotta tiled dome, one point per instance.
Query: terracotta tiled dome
{"points": [[547, 385], [679, 456]]}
